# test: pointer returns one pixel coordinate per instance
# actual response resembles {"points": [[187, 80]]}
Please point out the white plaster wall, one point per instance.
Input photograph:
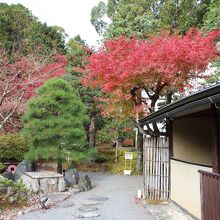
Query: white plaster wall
{"points": [[185, 186]]}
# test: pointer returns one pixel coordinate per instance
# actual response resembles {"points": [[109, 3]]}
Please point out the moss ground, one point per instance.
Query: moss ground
{"points": [[105, 161]]}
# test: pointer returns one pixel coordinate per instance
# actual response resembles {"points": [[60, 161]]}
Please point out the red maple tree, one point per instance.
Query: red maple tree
{"points": [[19, 78], [125, 68]]}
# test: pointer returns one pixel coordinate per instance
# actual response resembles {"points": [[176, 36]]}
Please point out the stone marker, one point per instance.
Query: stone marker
{"points": [[71, 177], [84, 183]]}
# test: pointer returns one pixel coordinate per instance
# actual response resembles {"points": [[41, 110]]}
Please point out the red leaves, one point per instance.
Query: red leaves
{"points": [[18, 82], [159, 64], [42, 74]]}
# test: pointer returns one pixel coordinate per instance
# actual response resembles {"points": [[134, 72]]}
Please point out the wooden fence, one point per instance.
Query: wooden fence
{"points": [[156, 168], [210, 195]]}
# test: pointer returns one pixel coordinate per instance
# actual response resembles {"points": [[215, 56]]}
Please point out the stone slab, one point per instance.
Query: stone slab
{"points": [[88, 215], [45, 174], [97, 198]]}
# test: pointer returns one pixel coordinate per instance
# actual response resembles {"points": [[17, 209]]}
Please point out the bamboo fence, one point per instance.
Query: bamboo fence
{"points": [[156, 168]]}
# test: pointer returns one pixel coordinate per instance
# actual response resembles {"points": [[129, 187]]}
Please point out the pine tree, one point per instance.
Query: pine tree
{"points": [[55, 122]]}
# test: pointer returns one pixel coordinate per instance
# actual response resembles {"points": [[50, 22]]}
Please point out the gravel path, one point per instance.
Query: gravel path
{"points": [[121, 204]]}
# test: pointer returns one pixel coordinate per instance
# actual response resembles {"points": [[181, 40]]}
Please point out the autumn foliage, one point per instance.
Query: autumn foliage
{"points": [[123, 68], [19, 77]]}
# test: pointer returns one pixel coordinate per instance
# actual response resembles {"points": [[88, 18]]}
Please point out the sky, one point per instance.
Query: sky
{"points": [[72, 15]]}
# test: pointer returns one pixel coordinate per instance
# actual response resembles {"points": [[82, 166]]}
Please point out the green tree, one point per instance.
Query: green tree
{"points": [[97, 14], [115, 131], [55, 122], [77, 51], [141, 17], [21, 31]]}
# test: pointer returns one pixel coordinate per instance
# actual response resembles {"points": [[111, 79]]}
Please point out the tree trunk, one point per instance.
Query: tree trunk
{"points": [[139, 165], [92, 132], [119, 142], [169, 98], [59, 166]]}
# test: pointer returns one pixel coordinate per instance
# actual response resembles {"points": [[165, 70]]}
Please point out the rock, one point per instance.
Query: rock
{"points": [[71, 177], [10, 191], [17, 197], [46, 203], [3, 191], [58, 197], [23, 166], [30, 183], [49, 185], [43, 201], [12, 199], [84, 183], [88, 215], [8, 175], [22, 196], [61, 184]]}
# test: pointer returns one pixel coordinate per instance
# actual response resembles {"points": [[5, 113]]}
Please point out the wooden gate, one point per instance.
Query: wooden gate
{"points": [[156, 168], [210, 195]]}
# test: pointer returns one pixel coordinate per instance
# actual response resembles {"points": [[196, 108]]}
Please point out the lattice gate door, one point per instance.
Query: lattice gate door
{"points": [[156, 168]]}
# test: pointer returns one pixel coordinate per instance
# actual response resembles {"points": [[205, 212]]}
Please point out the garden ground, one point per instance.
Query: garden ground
{"points": [[113, 197]]}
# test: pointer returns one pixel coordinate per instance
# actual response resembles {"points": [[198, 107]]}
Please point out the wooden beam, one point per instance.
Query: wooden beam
{"points": [[169, 129], [215, 139]]}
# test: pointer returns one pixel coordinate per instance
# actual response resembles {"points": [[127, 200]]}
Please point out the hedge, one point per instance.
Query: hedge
{"points": [[13, 147]]}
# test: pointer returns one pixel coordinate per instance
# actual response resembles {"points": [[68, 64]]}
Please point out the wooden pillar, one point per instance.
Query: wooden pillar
{"points": [[169, 128], [139, 165], [215, 140]]}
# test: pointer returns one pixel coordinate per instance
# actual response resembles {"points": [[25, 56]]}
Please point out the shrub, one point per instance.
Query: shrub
{"points": [[18, 192], [13, 147]]}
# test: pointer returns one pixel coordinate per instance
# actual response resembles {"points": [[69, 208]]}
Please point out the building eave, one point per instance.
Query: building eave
{"points": [[201, 98]]}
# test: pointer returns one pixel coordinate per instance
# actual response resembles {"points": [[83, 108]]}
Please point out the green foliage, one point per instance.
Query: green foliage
{"points": [[2, 166], [212, 17], [215, 77], [140, 17], [13, 147], [115, 128], [17, 187], [97, 14], [76, 51], [15, 190], [100, 158], [55, 122], [23, 32]]}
